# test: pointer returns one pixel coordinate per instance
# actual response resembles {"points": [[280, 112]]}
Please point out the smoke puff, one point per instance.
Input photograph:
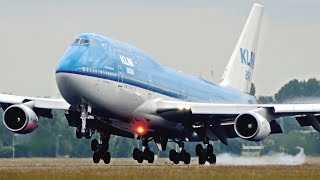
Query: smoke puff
{"points": [[270, 159]]}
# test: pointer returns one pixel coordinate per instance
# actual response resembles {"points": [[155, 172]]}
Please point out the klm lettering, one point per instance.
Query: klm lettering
{"points": [[247, 57]]}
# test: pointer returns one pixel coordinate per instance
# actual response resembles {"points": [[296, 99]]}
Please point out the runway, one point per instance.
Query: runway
{"points": [[126, 168]]}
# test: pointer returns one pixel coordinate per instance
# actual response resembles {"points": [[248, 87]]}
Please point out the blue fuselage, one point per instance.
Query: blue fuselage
{"points": [[96, 56]]}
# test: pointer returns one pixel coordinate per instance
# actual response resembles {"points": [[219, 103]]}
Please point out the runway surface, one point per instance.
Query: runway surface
{"points": [[126, 168]]}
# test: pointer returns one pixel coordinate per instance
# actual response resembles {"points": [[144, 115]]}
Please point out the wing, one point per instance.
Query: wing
{"points": [[221, 118], [235, 109], [43, 104]]}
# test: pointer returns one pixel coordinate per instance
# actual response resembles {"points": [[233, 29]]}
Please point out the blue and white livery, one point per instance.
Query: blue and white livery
{"points": [[110, 87]]}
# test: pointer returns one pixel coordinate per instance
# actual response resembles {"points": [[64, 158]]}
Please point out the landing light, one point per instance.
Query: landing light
{"points": [[140, 128], [184, 107], [187, 107], [180, 107]]}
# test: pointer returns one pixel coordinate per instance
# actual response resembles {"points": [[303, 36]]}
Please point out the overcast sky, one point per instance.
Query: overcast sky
{"points": [[195, 36]]}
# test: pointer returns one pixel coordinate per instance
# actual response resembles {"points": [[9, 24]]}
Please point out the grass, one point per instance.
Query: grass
{"points": [[44, 168]]}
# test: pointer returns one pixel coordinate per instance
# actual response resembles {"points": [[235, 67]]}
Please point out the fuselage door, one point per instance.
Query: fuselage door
{"points": [[183, 92], [120, 77], [149, 86]]}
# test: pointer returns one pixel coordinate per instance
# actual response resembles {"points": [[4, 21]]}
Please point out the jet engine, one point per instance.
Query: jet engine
{"points": [[253, 125], [20, 119]]}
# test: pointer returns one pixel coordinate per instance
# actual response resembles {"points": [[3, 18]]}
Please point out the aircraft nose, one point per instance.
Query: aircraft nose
{"points": [[71, 59]]}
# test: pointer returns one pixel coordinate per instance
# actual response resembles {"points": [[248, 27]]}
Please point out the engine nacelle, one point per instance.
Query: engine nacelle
{"points": [[20, 119], [253, 125]]}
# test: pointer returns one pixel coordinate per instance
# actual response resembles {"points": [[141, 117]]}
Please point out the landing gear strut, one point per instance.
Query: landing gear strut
{"points": [[145, 154], [205, 154], [183, 155], [83, 130], [100, 149]]}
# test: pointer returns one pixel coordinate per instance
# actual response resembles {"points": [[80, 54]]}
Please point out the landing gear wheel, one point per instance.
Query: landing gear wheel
{"points": [[202, 158], [150, 157], [186, 158], [199, 149], [135, 153], [171, 153], [175, 158], [140, 157], [209, 150], [106, 158], [78, 133], [212, 159], [94, 145], [96, 157]]}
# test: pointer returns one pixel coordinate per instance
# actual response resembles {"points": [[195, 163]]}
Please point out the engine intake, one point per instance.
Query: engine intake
{"points": [[253, 125], [20, 119]]}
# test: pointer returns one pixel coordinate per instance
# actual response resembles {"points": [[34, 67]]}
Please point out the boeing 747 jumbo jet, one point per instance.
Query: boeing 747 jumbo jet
{"points": [[109, 87]]}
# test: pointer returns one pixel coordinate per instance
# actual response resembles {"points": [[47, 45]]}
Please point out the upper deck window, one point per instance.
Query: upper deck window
{"points": [[84, 42]]}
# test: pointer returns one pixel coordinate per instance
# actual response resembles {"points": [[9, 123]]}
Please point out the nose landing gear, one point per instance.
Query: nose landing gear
{"points": [[83, 129]]}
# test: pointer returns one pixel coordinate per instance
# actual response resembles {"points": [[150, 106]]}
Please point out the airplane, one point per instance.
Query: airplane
{"points": [[112, 88]]}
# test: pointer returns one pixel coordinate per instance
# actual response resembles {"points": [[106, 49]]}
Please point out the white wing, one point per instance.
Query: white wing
{"points": [[41, 103], [220, 119], [235, 109]]}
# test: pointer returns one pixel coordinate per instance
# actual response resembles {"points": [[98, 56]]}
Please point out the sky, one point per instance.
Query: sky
{"points": [[194, 36]]}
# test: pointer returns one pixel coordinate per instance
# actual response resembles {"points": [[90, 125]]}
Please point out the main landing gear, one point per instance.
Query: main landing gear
{"points": [[100, 148], [183, 155], [83, 129], [145, 154], [205, 154]]}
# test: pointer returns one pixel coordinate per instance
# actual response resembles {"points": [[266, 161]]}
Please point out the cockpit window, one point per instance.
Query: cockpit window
{"points": [[84, 42], [76, 41]]}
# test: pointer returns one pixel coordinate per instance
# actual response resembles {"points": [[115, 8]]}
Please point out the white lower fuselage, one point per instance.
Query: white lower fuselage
{"points": [[116, 101]]}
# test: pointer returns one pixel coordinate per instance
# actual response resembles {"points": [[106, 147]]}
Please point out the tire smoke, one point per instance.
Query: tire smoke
{"points": [[269, 159]]}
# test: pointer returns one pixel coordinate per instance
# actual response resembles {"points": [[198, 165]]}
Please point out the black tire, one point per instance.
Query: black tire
{"points": [[96, 157], [187, 158], [171, 153], [199, 149], [209, 150], [106, 158], [150, 157], [140, 157], [78, 133], [202, 158], [182, 154], [212, 159], [94, 145], [135, 153], [145, 154], [176, 158]]}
